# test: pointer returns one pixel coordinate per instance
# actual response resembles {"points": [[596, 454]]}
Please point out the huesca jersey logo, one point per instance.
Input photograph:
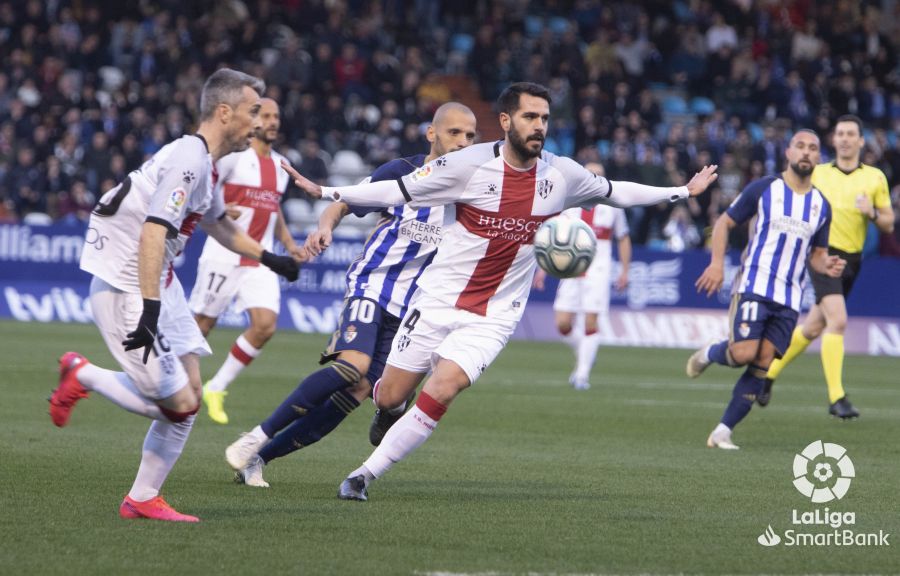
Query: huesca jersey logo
{"points": [[545, 187]]}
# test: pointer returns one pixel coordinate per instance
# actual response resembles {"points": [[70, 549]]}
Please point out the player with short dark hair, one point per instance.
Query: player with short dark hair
{"points": [[473, 294], [792, 221], [858, 194]]}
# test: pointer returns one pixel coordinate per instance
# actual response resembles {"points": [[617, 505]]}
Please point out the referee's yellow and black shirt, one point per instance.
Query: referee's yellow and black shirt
{"points": [[848, 224]]}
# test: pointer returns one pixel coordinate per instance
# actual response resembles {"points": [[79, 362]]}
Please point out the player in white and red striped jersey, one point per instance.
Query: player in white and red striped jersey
{"points": [[252, 183], [580, 301], [134, 234], [473, 294]]}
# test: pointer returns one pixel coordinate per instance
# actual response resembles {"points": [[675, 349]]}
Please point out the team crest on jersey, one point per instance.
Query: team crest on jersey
{"points": [[176, 200], [744, 329], [402, 342], [350, 334], [544, 188], [422, 173], [815, 211]]}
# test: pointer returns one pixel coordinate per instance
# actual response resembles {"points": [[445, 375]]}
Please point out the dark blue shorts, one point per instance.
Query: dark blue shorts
{"points": [[364, 327], [755, 317]]}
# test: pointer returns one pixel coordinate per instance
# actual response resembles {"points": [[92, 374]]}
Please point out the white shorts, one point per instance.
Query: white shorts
{"points": [[218, 283], [116, 313], [432, 330], [586, 294]]}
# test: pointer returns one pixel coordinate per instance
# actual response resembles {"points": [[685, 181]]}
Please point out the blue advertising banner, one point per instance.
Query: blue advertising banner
{"points": [[40, 281]]}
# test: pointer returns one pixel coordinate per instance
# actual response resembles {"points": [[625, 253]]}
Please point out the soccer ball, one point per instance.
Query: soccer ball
{"points": [[564, 247]]}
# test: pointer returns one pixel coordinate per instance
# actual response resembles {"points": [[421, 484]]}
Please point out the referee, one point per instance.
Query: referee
{"points": [[858, 194]]}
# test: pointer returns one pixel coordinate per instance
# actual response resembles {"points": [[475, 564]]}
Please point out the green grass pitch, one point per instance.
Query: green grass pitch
{"points": [[523, 476]]}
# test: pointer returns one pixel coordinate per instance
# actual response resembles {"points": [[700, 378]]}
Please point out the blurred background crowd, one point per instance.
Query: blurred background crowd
{"points": [[653, 90]]}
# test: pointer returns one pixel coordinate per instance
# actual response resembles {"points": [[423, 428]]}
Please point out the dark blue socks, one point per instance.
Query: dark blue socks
{"points": [[745, 391], [317, 424], [311, 392]]}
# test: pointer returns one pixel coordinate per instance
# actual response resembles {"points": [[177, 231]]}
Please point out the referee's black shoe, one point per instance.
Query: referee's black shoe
{"points": [[764, 397], [843, 409]]}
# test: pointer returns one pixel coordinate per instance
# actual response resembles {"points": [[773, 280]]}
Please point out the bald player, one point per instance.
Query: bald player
{"points": [[380, 284], [252, 183]]}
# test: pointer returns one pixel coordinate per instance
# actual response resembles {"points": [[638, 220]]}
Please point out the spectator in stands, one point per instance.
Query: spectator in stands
{"points": [[74, 70]]}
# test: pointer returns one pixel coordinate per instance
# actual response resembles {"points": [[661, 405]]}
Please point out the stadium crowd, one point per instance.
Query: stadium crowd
{"points": [[652, 90]]}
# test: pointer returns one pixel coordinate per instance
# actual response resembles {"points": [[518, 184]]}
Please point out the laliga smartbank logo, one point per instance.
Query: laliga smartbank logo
{"points": [[822, 473]]}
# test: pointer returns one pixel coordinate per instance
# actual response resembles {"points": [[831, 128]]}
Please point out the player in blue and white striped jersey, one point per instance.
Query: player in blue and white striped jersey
{"points": [[792, 221], [380, 284]]}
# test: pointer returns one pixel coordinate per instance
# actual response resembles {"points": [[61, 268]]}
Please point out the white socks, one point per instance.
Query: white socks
{"points": [[162, 446], [241, 354], [410, 432], [585, 355], [119, 389]]}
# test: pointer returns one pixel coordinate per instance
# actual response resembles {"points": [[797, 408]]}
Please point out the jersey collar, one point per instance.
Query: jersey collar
{"points": [[858, 166], [202, 139]]}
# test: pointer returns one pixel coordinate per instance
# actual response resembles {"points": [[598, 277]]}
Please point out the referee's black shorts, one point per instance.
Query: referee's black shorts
{"points": [[825, 285]]}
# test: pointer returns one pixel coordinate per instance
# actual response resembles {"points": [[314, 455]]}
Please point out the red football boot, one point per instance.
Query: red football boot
{"points": [[69, 391], [155, 509]]}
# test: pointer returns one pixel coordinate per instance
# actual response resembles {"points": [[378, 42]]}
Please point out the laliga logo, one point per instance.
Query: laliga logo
{"points": [[823, 471]]}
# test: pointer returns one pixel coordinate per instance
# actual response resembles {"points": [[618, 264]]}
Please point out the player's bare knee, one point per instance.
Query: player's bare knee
{"points": [[837, 325], [357, 359], [740, 355]]}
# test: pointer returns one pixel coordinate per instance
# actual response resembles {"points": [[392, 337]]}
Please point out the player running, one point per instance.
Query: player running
{"points": [[581, 301], [252, 183], [474, 292], [134, 233], [792, 221], [858, 194], [380, 284]]}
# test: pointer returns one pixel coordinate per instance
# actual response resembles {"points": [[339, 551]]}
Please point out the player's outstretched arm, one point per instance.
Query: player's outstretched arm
{"points": [[383, 194], [823, 263], [702, 180], [321, 239], [626, 194], [711, 280]]}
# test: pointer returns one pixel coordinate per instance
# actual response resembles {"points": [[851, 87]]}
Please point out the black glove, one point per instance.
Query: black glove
{"points": [[283, 265], [145, 334]]}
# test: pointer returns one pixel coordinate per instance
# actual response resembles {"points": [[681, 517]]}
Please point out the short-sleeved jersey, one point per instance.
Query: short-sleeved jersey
{"points": [[486, 260], [256, 185], [788, 226], [848, 224], [608, 223], [174, 188], [401, 246]]}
